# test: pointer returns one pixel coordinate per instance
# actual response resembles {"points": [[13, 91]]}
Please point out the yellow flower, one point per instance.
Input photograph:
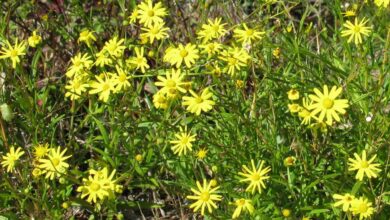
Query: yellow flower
{"points": [[235, 58], [99, 185], [55, 165], [304, 113], [139, 60], [41, 150], [294, 108], [276, 52], [356, 30], [211, 48], [87, 37], [80, 63], [212, 30], [344, 200], [13, 52], [255, 177], [239, 84], [201, 154], [75, 88], [120, 79], [102, 86], [293, 94], [289, 161], [327, 105], [149, 14], [349, 13], [36, 172], [133, 16], [363, 166], [11, 157], [183, 142], [115, 47], [362, 207], [187, 54], [34, 40], [205, 196], [156, 31], [242, 204], [198, 103], [172, 83], [286, 212], [138, 157], [382, 3], [247, 35], [103, 58], [160, 100]]}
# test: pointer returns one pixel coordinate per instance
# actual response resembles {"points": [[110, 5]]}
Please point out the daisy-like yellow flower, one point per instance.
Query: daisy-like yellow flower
{"points": [[139, 60], [326, 105], [255, 177], [356, 30], [120, 79], [242, 204], [172, 83], [102, 86], [205, 196], [304, 113], [183, 142], [363, 166], [13, 52], [349, 13], [41, 150], [103, 58], [156, 31], [187, 54], [75, 88], [149, 14], [198, 103], [201, 154], [99, 185], [160, 100], [134, 15], [212, 30], [382, 3], [294, 108], [235, 58], [247, 35], [34, 39], [115, 47], [362, 207], [80, 63], [87, 37], [344, 200], [293, 94], [211, 49], [55, 165], [11, 158]]}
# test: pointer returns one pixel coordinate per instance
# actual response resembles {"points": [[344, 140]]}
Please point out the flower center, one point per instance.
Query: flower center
{"points": [[232, 61], [171, 83], [364, 164], [183, 53], [14, 53], [55, 161], [76, 85], [106, 87], [151, 13], [205, 196], [356, 29], [140, 60], [122, 78], [349, 198], [161, 99], [95, 187], [154, 31], [240, 202], [362, 207], [255, 177], [184, 140], [199, 100], [249, 32], [327, 103]]}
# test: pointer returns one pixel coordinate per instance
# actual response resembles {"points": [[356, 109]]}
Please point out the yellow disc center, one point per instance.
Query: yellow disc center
{"points": [[327, 103], [95, 187], [205, 196]]}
